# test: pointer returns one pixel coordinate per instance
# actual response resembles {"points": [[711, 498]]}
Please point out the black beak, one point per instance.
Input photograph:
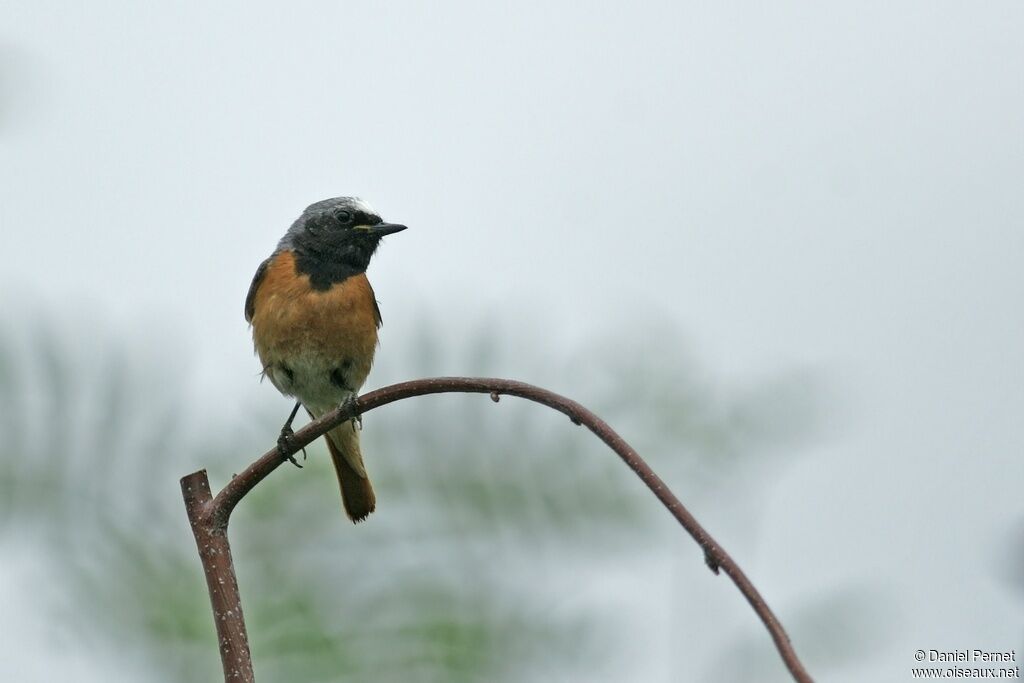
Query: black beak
{"points": [[385, 228]]}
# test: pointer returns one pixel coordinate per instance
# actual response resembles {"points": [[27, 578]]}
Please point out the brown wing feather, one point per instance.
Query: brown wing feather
{"points": [[376, 306], [250, 298]]}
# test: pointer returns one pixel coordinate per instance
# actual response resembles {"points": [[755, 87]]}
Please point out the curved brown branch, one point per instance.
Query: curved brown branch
{"points": [[212, 515]]}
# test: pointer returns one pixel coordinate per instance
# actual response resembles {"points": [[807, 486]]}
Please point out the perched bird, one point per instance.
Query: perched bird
{"points": [[314, 324]]}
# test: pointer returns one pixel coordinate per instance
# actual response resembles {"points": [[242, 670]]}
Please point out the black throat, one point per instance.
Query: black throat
{"points": [[327, 260]]}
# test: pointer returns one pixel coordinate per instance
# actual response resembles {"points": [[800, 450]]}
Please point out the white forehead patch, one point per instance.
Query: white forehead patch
{"points": [[364, 206]]}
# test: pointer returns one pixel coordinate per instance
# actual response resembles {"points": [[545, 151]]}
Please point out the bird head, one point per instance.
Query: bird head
{"points": [[335, 238]]}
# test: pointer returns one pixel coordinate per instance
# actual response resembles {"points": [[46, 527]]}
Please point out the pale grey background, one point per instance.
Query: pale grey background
{"points": [[827, 186]]}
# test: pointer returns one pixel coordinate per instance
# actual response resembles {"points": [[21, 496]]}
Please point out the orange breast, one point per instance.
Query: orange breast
{"points": [[292, 319]]}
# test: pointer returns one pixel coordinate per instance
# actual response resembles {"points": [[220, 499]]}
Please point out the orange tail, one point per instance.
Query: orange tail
{"points": [[356, 491]]}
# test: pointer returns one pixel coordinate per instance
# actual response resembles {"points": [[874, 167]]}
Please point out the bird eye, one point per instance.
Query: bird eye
{"points": [[343, 217]]}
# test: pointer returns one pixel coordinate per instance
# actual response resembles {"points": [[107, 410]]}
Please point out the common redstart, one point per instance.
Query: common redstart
{"points": [[314, 323]]}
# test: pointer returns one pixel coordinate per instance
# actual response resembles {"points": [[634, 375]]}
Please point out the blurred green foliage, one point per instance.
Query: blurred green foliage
{"points": [[481, 508]]}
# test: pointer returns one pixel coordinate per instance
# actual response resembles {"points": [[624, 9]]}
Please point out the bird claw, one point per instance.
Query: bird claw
{"points": [[284, 442], [358, 419]]}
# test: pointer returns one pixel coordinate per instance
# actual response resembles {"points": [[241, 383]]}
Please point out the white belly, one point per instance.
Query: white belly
{"points": [[315, 381]]}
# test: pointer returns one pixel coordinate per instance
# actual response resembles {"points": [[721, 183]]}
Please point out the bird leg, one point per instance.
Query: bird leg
{"points": [[284, 440]]}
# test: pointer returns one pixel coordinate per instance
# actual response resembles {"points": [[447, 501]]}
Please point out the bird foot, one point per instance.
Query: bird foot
{"points": [[357, 421], [284, 443]]}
